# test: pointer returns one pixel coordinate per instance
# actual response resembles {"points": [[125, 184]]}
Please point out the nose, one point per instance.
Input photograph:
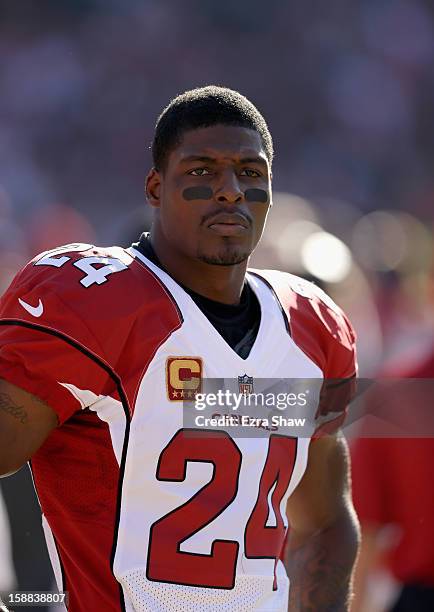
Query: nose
{"points": [[229, 190]]}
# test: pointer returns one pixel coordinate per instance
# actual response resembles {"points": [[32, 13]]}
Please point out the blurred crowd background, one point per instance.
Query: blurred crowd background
{"points": [[347, 88]]}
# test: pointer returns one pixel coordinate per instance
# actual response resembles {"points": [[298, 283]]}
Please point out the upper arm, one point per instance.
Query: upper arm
{"points": [[25, 423], [325, 490], [54, 334]]}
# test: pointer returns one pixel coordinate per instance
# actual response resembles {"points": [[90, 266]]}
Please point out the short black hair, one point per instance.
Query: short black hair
{"points": [[203, 107]]}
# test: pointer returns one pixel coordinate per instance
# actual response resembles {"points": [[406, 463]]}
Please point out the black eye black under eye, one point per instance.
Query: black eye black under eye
{"points": [[197, 193], [256, 195]]}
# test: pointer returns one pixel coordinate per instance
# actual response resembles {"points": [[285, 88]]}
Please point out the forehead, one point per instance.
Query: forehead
{"points": [[219, 142]]}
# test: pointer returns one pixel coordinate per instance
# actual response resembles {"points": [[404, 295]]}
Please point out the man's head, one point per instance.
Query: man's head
{"points": [[204, 107], [211, 181]]}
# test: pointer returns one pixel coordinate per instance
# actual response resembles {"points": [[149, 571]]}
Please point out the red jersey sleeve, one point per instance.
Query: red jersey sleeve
{"points": [[47, 346], [324, 333], [337, 358]]}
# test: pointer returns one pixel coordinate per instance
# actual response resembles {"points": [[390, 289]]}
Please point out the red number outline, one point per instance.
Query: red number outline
{"points": [[224, 553], [165, 561], [261, 541]]}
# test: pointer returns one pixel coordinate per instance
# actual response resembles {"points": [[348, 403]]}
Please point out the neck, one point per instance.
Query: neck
{"points": [[219, 283]]}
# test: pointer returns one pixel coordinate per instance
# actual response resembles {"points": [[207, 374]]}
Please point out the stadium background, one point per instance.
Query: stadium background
{"points": [[347, 89]]}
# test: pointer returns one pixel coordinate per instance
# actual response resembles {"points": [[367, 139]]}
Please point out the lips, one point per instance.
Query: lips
{"points": [[229, 219], [233, 225]]}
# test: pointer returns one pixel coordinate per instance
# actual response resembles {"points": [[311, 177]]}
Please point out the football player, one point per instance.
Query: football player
{"points": [[97, 348]]}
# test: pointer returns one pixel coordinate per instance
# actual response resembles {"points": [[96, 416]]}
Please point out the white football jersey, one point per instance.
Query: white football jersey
{"points": [[159, 515]]}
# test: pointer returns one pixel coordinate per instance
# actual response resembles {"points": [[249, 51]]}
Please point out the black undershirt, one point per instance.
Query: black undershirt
{"points": [[238, 324]]}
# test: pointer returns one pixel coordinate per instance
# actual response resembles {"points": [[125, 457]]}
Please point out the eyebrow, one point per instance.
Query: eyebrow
{"points": [[210, 160]]}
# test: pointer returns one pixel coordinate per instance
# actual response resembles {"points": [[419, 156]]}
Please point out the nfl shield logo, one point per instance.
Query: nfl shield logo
{"points": [[245, 384]]}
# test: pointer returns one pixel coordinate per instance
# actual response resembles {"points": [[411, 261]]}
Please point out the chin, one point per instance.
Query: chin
{"points": [[224, 258]]}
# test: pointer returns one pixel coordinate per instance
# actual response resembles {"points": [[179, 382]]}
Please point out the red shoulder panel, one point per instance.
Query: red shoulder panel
{"points": [[76, 304], [317, 325], [323, 332]]}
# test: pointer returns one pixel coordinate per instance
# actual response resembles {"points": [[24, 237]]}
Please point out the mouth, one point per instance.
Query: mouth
{"points": [[229, 219], [229, 224]]}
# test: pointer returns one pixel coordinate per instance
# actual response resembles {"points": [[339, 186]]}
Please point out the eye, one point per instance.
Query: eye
{"points": [[199, 172], [250, 173]]}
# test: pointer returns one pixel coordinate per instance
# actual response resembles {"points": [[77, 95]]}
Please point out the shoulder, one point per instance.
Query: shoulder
{"points": [[84, 290], [316, 323], [84, 273]]}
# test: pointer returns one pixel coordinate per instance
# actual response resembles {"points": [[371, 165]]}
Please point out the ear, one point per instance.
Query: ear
{"points": [[153, 187]]}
